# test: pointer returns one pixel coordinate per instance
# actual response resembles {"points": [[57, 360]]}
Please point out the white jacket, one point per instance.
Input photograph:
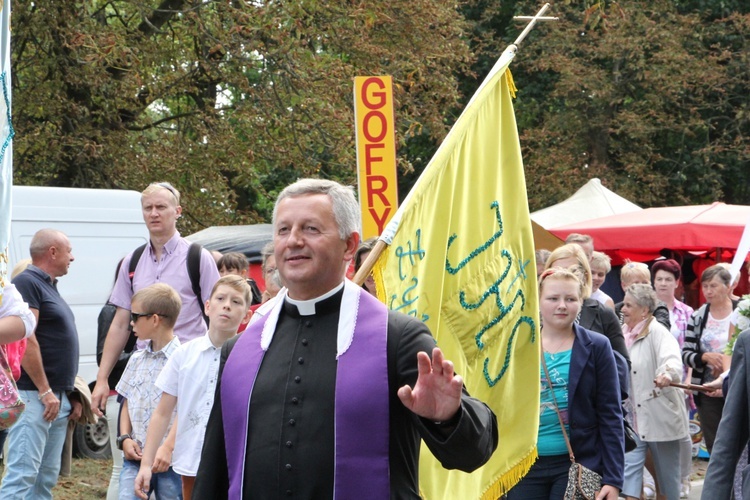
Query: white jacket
{"points": [[660, 413]]}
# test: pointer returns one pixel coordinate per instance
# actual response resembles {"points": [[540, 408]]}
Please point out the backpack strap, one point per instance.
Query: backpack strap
{"points": [[134, 263], [194, 272], [193, 268]]}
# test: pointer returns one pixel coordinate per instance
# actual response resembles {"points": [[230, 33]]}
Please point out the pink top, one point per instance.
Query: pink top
{"points": [[172, 270]]}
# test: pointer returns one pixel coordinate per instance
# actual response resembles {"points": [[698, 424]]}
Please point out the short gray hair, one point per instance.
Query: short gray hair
{"points": [[265, 253], [643, 295], [43, 240], [345, 207]]}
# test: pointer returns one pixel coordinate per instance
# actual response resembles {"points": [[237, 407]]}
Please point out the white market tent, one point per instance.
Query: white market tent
{"points": [[590, 202]]}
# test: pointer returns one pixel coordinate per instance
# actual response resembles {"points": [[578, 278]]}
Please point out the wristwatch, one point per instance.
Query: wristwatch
{"points": [[121, 439]]}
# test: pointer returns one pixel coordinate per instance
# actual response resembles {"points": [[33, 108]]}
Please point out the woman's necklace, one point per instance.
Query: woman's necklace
{"points": [[559, 347]]}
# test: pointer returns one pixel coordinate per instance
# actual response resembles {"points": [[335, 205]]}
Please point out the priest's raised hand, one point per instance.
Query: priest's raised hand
{"points": [[437, 394]]}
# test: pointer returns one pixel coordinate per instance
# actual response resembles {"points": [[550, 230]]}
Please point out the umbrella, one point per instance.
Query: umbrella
{"points": [[642, 235]]}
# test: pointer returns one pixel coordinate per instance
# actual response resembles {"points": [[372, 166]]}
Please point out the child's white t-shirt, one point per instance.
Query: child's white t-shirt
{"points": [[190, 374]]}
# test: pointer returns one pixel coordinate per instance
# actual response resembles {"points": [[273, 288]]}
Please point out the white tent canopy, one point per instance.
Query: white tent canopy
{"points": [[590, 202]]}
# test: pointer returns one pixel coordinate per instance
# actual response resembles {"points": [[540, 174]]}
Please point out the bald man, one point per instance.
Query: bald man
{"points": [[48, 372]]}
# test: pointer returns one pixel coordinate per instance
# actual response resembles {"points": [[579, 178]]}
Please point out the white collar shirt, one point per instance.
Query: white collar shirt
{"points": [[191, 376]]}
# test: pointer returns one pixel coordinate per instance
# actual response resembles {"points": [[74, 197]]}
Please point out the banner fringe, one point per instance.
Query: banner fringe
{"points": [[511, 84], [508, 480]]}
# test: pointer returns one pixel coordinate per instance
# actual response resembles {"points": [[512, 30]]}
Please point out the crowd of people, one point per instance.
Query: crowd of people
{"points": [[678, 359], [198, 411]]}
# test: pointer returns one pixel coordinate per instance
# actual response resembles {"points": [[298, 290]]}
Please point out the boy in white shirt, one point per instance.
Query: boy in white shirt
{"points": [[153, 315], [188, 382]]}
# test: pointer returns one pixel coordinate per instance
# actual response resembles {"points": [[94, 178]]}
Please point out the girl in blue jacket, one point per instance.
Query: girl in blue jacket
{"points": [[584, 380]]}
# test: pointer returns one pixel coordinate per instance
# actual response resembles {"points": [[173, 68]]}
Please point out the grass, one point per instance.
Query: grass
{"points": [[89, 480]]}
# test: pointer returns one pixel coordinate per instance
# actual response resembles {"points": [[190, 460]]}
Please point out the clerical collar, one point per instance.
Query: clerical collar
{"points": [[307, 307]]}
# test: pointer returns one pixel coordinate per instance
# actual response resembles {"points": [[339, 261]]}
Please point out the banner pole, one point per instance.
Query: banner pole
{"points": [[366, 267], [380, 246]]}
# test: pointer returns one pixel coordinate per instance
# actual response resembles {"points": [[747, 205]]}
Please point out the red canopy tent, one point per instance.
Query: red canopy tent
{"points": [[643, 234]]}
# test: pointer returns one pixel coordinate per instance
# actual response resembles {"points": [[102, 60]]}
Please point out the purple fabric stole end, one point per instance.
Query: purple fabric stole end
{"points": [[361, 399], [362, 408], [237, 381]]}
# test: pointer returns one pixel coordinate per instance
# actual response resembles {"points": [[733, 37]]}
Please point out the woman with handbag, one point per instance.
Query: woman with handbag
{"points": [[582, 402], [16, 322], [658, 412]]}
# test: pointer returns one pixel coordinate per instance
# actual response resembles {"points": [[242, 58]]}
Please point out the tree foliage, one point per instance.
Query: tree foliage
{"points": [[649, 97], [229, 100]]}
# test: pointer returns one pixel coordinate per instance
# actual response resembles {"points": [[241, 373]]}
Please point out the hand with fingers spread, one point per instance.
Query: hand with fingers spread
{"points": [[437, 393]]}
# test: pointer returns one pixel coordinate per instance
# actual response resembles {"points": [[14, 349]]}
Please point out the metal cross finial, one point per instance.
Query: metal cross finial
{"points": [[532, 21]]}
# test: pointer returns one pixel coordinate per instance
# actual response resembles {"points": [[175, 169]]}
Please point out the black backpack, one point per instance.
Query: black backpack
{"points": [[107, 313]]}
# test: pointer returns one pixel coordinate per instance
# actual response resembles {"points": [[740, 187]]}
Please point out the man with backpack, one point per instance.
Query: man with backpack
{"points": [[167, 258]]}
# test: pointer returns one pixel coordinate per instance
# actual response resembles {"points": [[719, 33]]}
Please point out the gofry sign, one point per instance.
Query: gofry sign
{"points": [[376, 152]]}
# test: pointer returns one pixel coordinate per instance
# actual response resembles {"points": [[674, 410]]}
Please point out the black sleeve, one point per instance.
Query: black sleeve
{"points": [[612, 330], [661, 313], [732, 435], [469, 439], [212, 479]]}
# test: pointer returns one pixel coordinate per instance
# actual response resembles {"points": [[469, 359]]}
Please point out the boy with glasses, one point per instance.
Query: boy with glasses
{"points": [[153, 313]]}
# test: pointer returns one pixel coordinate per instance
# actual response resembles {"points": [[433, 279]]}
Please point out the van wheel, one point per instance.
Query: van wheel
{"points": [[92, 440]]}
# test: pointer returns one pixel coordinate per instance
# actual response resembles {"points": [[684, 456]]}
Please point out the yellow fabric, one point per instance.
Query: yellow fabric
{"points": [[462, 260]]}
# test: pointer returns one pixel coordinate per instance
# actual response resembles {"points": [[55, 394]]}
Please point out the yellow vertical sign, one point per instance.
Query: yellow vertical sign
{"points": [[376, 152]]}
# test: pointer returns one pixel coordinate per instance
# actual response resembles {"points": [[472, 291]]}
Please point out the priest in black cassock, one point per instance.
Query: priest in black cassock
{"points": [[327, 393]]}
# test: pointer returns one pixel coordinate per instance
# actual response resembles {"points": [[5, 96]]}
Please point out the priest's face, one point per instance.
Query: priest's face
{"points": [[310, 254]]}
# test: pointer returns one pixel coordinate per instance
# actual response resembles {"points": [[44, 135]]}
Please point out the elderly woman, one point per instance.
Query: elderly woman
{"points": [[706, 337], [658, 412]]}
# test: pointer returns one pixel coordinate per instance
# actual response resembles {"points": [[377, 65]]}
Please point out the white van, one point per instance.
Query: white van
{"points": [[103, 225]]}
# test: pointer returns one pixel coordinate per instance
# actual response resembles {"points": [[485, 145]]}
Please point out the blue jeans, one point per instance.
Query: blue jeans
{"points": [[546, 480], [666, 455], [165, 485], [35, 450]]}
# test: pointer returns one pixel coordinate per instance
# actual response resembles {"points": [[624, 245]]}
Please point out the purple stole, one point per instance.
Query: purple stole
{"points": [[361, 468]]}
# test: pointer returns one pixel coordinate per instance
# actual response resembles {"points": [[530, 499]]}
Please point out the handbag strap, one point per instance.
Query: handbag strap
{"points": [[557, 410]]}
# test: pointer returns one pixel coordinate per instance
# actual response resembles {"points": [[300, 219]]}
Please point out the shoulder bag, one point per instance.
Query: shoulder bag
{"points": [[11, 404], [583, 483]]}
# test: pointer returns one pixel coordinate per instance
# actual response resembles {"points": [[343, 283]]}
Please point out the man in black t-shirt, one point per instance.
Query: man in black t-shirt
{"points": [[49, 368]]}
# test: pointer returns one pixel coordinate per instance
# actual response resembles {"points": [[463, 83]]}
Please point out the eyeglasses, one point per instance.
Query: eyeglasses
{"points": [[134, 317]]}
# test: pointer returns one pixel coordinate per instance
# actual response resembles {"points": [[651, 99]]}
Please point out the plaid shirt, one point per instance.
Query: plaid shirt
{"points": [[679, 316], [138, 386]]}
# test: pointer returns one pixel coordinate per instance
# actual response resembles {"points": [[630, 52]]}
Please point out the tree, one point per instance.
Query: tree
{"points": [[228, 100], [650, 98]]}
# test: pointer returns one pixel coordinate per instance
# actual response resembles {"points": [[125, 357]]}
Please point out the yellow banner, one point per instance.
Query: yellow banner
{"points": [[461, 258], [376, 152]]}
